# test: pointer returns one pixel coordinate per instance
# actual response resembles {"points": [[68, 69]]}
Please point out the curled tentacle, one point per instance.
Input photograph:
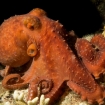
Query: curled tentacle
{"points": [[13, 81], [45, 86], [38, 87]]}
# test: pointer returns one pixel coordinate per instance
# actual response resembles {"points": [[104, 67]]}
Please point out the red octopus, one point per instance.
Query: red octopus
{"points": [[36, 43]]}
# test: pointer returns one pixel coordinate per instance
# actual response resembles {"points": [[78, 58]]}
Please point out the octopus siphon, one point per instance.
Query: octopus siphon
{"points": [[36, 43]]}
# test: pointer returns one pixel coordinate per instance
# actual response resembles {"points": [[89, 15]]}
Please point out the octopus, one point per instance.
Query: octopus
{"points": [[36, 44]]}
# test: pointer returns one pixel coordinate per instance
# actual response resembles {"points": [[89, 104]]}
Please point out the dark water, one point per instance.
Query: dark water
{"points": [[78, 15]]}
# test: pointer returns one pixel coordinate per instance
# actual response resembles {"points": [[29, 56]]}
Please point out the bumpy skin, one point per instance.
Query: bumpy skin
{"points": [[36, 39], [93, 54]]}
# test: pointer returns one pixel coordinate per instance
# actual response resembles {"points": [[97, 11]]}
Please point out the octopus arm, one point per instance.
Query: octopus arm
{"points": [[92, 54], [13, 81], [92, 96]]}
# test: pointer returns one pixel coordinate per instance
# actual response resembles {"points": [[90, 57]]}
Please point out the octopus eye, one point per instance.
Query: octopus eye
{"points": [[32, 23], [32, 50]]}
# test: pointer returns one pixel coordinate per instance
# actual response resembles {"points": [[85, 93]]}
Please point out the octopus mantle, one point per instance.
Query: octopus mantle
{"points": [[36, 44]]}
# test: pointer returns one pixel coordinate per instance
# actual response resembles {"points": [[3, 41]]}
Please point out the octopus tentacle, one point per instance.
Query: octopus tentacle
{"points": [[13, 81], [5, 71], [33, 89], [56, 91], [85, 95], [45, 85], [85, 49], [38, 87], [93, 59], [99, 42]]}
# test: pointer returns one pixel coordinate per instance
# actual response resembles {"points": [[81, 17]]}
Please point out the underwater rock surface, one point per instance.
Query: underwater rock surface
{"points": [[68, 98]]}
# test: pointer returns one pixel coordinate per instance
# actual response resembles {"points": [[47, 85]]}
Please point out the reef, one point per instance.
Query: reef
{"points": [[49, 58]]}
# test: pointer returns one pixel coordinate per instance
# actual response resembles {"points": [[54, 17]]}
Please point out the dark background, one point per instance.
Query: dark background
{"points": [[78, 15]]}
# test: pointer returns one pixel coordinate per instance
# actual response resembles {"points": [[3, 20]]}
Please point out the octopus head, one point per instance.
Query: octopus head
{"points": [[18, 39]]}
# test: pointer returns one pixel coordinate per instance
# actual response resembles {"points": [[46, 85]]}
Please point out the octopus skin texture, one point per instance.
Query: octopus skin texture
{"points": [[36, 43], [93, 55]]}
